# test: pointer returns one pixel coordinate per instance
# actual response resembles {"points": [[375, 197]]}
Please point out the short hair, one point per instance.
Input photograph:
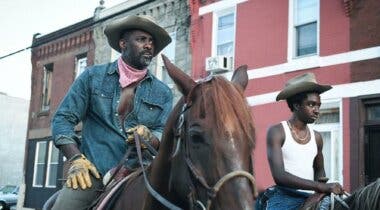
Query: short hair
{"points": [[297, 99]]}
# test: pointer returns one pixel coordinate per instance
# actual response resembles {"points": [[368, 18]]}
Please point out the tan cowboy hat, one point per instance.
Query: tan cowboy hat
{"points": [[146, 23], [302, 83]]}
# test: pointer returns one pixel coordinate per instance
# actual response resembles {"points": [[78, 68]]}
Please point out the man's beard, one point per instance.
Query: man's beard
{"points": [[139, 61], [145, 60]]}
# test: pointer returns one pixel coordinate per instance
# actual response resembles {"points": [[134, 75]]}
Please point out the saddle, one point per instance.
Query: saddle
{"points": [[115, 186]]}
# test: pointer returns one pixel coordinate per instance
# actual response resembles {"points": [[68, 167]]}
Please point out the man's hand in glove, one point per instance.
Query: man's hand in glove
{"points": [[79, 173], [142, 131]]}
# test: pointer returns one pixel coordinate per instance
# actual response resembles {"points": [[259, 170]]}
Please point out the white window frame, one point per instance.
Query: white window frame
{"points": [[331, 127], [36, 162], [215, 22], [47, 88], [78, 67], [49, 162], [292, 32], [160, 64]]}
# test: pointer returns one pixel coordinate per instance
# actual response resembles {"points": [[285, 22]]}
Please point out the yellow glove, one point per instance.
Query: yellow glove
{"points": [[142, 131], [79, 173]]}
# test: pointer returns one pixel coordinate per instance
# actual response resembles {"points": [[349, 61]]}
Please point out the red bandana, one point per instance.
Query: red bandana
{"points": [[128, 74]]}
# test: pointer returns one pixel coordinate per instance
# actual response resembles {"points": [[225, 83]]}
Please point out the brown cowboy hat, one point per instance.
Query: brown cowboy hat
{"points": [[145, 23], [302, 83]]}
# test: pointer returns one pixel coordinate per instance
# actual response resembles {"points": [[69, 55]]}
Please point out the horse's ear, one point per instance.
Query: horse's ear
{"points": [[182, 80], [240, 76]]}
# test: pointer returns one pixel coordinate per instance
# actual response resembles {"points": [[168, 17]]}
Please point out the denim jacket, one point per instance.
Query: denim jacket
{"points": [[93, 100]]}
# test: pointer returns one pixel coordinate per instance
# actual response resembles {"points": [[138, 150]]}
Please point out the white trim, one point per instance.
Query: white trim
{"points": [[338, 91], [314, 62], [220, 5], [290, 30]]}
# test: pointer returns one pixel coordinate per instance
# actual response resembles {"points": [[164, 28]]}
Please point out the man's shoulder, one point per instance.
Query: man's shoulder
{"points": [[101, 68], [276, 133], [276, 128], [158, 85]]}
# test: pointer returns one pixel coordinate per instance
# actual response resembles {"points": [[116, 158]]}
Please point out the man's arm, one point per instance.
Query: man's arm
{"points": [[69, 113], [275, 140], [319, 169]]}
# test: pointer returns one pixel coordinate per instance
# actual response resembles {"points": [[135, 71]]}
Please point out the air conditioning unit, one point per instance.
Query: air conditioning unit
{"points": [[219, 64]]}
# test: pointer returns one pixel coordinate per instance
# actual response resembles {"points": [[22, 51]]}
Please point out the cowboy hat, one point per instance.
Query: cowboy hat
{"points": [[145, 23], [302, 83]]}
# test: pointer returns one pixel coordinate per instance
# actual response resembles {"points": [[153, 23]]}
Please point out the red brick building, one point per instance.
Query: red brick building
{"points": [[65, 54], [339, 41]]}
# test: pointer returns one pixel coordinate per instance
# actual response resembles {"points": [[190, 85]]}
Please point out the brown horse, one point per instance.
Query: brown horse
{"points": [[204, 160]]}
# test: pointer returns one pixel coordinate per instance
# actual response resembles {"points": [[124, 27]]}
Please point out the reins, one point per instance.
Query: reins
{"points": [[154, 193]]}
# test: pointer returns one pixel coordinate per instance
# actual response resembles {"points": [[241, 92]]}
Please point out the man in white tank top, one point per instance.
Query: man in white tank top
{"points": [[294, 150]]}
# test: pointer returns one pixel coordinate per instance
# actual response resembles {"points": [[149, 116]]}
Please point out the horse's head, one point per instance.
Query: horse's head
{"points": [[214, 139]]}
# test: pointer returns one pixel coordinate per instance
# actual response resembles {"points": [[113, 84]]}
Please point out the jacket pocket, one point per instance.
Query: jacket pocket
{"points": [[101, 102], [149, 113]]}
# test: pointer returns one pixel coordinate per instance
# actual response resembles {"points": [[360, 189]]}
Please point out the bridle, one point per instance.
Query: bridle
{"points": [[211, 190]]}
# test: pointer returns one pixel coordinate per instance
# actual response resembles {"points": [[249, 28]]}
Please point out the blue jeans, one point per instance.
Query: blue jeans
{"points": [[282, 198]]}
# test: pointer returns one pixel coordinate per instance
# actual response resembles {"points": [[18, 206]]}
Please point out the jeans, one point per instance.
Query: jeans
{"points": [[78, 199], [280, 198]]}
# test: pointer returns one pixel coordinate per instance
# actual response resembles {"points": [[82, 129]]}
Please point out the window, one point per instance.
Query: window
{"points": [[306, 14], [80, 64], [39, 164], [46, 87], [224, 32], [329, 126], [169, 51], [52, 166], [45, 164]]}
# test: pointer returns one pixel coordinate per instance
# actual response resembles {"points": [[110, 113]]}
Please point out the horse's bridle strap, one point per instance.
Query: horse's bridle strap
{"points": [[154, 193]]}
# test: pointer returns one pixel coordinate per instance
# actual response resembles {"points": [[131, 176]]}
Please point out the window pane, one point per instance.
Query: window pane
{"points": [[39, 174], [52, 180], [40, 159], [47, 83], [306, 11], [81, 66], [169, 50], [225, 49], [373, 112], [41, 152], [307, 39], [225, 34], [51, 173], [328, 116], [54, 154]]}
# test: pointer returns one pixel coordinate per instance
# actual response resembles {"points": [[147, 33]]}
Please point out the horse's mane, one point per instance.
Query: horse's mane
{"points": [[229, 102], [366, 198]]}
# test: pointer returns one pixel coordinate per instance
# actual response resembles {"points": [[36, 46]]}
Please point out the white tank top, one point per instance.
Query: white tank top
{"points": [[299, 158]]}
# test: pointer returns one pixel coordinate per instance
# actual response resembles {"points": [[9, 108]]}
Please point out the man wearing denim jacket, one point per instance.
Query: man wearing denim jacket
{"points": [[110, 100]]}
